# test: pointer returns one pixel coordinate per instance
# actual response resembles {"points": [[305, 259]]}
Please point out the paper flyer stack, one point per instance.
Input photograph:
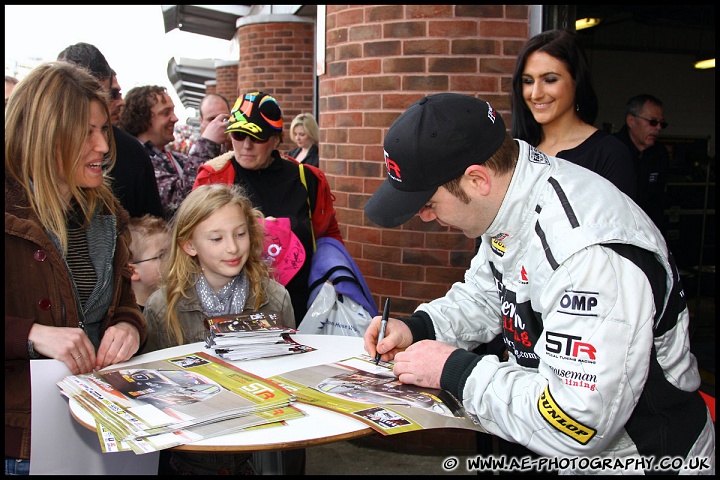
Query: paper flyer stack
{"points": [[161, 404], [250, 336]]}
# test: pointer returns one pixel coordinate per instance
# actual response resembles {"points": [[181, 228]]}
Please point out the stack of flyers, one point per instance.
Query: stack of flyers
{"points": [[250, 336], [174, 401]]}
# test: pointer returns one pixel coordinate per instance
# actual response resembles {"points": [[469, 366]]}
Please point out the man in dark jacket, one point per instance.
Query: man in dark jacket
{"points": [[644, 119], [133, 176]]}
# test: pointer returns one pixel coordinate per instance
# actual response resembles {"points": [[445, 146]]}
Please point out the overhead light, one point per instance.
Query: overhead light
{"points": [[582, 23], [703, 64]]}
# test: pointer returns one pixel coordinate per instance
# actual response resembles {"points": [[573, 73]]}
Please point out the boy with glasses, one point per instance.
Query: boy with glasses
{"points": [[150, 242]]}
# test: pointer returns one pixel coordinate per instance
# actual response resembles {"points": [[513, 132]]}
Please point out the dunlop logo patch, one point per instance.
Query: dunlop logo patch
{"points": [[498, 247], [561, 421]]}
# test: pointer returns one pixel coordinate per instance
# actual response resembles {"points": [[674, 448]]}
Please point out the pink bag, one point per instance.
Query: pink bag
{"points": [[282, 251]]}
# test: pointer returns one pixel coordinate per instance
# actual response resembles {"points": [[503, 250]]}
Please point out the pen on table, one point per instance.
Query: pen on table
{"points": [[383, 326]]}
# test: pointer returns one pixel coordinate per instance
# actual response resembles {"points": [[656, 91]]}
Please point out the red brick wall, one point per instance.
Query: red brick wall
{"points": [[278, 58], [227, 83], [379, 60]]}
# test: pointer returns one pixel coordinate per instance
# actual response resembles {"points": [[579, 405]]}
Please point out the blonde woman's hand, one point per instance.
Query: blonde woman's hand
{"points": [[119, 343], [69, 345]]}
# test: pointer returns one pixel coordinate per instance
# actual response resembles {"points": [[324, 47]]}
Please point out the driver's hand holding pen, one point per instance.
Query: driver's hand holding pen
{"points": [[397, 338], [418, 363]]}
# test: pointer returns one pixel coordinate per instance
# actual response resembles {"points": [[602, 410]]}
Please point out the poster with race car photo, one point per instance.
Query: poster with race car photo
{"points": [[372, 394]]}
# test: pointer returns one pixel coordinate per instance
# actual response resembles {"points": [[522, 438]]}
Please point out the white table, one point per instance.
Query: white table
{"points": [[318, 427]]}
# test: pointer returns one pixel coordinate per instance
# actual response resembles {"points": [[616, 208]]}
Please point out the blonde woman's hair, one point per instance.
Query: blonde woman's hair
{"points": [[182, 271], [47, 125], [309, 124]]}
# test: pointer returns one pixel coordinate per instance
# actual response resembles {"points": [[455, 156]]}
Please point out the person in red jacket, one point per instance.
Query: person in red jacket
{"points": [[277, 184]]}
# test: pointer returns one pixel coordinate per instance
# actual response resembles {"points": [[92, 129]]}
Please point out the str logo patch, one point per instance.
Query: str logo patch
{"points": [[561, 421], [569, 347]]}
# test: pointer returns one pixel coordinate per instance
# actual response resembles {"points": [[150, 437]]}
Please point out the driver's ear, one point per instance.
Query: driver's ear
{"points": [[480, 179]]}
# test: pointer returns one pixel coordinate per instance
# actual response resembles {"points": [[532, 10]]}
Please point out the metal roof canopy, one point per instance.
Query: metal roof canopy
{"points": [[188, 77], [216, 21], [220, 21]]}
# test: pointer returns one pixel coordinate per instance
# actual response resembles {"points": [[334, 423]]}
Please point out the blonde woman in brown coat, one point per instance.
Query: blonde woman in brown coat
{"points": [[67, 281]]}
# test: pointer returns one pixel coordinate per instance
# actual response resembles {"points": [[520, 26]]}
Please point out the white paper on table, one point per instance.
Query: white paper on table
{"points": [[60, 445]]}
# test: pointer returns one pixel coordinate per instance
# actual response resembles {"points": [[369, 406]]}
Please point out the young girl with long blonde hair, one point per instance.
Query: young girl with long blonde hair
{"points": [[214, 268]]}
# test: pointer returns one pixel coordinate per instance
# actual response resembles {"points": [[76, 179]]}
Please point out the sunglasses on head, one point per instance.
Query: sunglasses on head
{"points": [[240, 137], [653, 122]]}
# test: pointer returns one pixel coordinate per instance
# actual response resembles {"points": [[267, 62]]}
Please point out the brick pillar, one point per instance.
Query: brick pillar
{"points": [[379, 60], [277, 57], [226, 74]]}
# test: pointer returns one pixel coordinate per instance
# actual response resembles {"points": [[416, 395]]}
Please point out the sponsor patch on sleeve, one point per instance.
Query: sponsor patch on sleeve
{"points": [[497, 247], [561, 421]]}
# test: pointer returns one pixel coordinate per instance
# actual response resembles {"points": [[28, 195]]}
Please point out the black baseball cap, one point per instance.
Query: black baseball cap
{"points": [[431, 143]]}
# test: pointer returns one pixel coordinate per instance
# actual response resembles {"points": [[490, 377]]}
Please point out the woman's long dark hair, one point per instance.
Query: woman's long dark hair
{"points": [[563, 45]]}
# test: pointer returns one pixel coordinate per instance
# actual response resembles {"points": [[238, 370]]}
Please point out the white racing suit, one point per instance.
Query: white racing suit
{"points": [[580, 282]]}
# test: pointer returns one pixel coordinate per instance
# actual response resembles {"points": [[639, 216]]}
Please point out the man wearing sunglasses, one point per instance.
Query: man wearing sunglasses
{"points": [[133, 176], [644, 118], [274, 183]]}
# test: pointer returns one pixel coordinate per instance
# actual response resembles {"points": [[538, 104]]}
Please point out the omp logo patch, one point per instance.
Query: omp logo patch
{"points": [[579, 303], [498, 247], [561, 421]]}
